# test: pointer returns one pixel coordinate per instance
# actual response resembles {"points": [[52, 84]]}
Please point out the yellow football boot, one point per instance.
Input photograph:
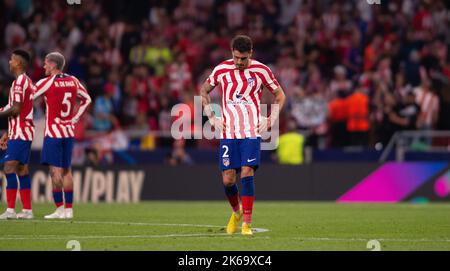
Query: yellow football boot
{"points": [[246, 229], [233, 222]]}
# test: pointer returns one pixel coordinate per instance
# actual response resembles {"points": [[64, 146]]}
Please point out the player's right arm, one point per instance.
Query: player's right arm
{"points": [[17, 98], [206, 99], [205, 89], [11, 111]]}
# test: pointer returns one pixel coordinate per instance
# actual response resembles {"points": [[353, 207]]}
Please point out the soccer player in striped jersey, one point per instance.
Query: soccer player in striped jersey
{"points": [[60, 92], [241, 82], [17, 141]]}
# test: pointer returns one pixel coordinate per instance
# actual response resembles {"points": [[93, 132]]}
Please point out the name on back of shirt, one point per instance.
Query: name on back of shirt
{"points": [[64, 84]]}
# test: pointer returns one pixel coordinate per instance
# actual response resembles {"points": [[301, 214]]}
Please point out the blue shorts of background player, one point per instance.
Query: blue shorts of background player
{"points": [[18, 150], [57, 152], [236, 153]]}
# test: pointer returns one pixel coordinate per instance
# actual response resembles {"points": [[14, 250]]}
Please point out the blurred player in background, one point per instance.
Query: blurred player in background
{"points": [[241, 81], [17, 141], [60, 91]]}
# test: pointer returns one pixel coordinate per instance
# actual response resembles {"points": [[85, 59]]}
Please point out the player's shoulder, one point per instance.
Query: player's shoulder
{"points": [[27, 82], [64, 76], [70, 80], [260, 67], [76, 80], [43, 80], [226, 64], [256, 64], [73, 78], [21, 79]]}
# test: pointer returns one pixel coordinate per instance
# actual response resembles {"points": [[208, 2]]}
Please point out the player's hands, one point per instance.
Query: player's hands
{"points": [[264, 124], [4, 142], [4, 146], [213, 120], [217, 123]]}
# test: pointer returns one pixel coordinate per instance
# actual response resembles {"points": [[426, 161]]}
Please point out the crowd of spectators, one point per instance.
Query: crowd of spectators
{"points": [[353, 73]]}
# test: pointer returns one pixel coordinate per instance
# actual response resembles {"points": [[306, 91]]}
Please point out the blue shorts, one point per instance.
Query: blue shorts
{"points": [[57, 152], [18, 150], [236, 153]]}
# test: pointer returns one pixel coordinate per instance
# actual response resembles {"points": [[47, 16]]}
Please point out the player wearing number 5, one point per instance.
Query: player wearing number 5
{"points": [[60, 92]]}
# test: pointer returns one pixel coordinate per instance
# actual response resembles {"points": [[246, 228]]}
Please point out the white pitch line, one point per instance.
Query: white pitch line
{"points": [[324, 239], [365, 240], [65, 237], [57, 237], [119, 223], [132, 224]]}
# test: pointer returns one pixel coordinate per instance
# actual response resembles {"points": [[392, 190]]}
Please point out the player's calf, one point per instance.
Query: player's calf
{"points": [[25, 192], [57, 180], [11, 193], [248, 197]]}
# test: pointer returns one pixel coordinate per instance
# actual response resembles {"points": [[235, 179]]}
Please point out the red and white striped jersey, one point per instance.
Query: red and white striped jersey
{"points": [[60, 93], [241, 96], [21, 127]]}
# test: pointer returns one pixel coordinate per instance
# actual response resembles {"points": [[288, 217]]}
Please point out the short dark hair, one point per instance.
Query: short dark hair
{"points": [[242, 43], [24, 55], [58, 59]]}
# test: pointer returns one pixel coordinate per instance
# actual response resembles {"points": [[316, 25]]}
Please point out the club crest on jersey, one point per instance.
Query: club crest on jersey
{"points": [[226, 162], [251, 81]]}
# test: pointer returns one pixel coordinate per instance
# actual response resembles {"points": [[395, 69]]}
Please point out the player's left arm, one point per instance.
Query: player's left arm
{"points": [[85, 100], [271, 83], [42, 86], [280, 99]]}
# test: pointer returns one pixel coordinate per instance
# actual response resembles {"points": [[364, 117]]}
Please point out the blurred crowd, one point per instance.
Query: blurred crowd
{"points": [[353, 73]]}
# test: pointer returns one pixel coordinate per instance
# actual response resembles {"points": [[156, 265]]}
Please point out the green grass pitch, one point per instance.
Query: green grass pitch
{"points": [[176, 225]]}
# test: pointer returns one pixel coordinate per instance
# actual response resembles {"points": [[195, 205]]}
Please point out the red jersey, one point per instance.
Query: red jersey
{"points": [[60, 93], [241, 96], [21, 126]]}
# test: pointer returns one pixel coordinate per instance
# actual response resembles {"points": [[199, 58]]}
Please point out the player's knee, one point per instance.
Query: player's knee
{"points": [[10, 167], [23, 170], [229, 182], [67, 173], [229, 177], [247, 171], [56, 177]]}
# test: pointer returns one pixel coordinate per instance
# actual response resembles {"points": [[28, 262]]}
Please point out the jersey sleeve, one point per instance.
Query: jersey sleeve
{"points": [[213, 77], [18, 89], [268, 78]]}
